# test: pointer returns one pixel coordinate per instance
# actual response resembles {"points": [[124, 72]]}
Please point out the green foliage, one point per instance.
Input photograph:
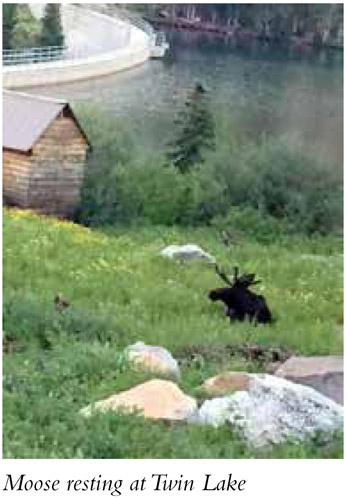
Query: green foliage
{"points": [[51, 33], [121, 291], [33, 320], [22, 30], [247, 222], [195, 132], [286, 184], [8, 23], [102, 194], [124, 185], [151, 192], [287, 188], [26, 30]]}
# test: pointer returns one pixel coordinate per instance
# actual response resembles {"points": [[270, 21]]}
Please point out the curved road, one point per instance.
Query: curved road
{"points": [[96, 45]]}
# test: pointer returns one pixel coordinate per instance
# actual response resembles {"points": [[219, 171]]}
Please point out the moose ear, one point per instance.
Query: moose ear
{"points": [[247, 280]]}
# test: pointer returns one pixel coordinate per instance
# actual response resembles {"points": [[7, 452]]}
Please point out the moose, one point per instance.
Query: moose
{"points": [[241, 303]]}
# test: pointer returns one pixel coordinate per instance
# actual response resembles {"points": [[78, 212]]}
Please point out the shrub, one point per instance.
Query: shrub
{"points": [[293, 186], [26, 318], [284, 183], [241, 221], [280, 183]]}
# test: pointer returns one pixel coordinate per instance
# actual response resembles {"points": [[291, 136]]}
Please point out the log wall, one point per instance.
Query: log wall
{"points": [[15, 177], [57, 170], [50, 177]]}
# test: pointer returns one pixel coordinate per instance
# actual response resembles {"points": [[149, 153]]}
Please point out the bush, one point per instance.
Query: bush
{"points": [[250, 222], [289, 185], [123, 184], [26, 318], [281, 183], [284, 183], [154, 192], [102, 189]]}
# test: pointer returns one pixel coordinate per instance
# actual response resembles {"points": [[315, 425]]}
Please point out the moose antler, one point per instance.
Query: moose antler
{"points": [[244, 280], [223, 275]]}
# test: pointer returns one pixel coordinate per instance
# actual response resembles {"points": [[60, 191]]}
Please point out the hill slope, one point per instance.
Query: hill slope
{"points": [[121, 290]]}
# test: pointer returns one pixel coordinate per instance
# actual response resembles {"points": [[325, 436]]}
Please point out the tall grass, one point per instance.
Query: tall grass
{"points": [[121, 291]]}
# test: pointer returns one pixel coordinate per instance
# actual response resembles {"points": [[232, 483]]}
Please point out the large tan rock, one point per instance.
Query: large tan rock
{"points": [[226, 382], [152, 358], [323, 373], [157, 399]]}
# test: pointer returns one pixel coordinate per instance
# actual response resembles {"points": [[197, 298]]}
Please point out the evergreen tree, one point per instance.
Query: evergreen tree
{"points": [[8, 23], [196, 132], [52, 33]]}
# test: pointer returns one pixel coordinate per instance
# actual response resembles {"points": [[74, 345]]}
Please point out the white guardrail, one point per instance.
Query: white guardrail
{"points": [[33, 55]]}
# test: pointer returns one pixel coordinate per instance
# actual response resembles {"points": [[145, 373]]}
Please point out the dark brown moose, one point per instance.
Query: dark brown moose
{"points": [[241, 303]]}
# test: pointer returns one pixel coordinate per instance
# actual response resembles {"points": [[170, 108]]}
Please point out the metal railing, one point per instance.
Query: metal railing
{"points": [[32, 55]]}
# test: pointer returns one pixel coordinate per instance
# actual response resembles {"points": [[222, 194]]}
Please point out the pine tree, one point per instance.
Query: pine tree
{"points": [[196, 132], [52, 32]]}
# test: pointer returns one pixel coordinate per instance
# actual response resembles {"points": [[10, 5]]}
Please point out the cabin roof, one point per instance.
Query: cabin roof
{"points": [[25, 117]]}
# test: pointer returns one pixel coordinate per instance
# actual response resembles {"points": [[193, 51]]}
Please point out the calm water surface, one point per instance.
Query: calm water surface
{"points": [[263, 89]]}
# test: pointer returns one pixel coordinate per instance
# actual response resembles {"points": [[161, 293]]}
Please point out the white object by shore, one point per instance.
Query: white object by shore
{"points": [[187, 252]]}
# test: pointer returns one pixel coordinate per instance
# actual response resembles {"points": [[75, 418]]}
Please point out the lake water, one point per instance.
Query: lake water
{"points": [[264, 89]]}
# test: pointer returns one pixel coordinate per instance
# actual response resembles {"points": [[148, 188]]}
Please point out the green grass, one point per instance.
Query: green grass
{"points": [[121, 291]]}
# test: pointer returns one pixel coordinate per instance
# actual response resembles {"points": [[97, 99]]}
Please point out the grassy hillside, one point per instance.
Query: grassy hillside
{"points": [[121, 290]]}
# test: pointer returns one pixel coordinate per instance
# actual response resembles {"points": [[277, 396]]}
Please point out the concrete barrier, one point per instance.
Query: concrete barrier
{"points": [[112, 45]]}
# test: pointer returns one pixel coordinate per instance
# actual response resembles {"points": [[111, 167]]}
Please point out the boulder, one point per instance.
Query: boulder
{"points": [[323, 373], [186, 252], [156, 399], [154, 359], [273, 410], [226, 382]]}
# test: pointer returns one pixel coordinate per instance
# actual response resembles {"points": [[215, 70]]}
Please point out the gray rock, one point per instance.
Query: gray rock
{"points": [[154, 359], [186, 252], [273, 410], [323, 373]]}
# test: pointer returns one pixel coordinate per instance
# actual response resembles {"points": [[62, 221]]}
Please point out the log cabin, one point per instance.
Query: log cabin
{"points": [[44, 154]]}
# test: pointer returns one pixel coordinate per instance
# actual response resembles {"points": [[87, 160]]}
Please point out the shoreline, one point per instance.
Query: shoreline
{"points": [[235, 32]]}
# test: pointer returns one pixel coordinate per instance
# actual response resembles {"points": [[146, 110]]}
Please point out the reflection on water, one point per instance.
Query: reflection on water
{"points": [[298, 93]]}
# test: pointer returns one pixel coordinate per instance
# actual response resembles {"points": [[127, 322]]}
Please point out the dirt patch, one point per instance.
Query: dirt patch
{"points": [[9, 345], [264, 355]]}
